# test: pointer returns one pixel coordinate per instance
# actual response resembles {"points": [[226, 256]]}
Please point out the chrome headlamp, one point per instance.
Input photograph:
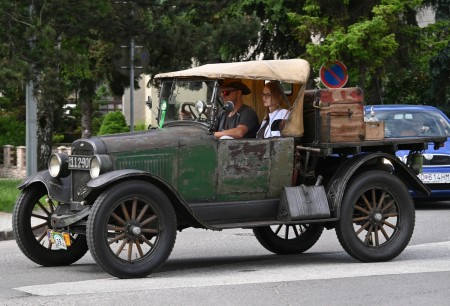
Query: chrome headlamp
{"points": [[99, 165], [58, 165], [200, 106]]}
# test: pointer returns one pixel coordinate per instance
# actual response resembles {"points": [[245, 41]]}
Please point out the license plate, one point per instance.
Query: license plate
{"points": [[434, 178], [79, 162], [59, 239]]}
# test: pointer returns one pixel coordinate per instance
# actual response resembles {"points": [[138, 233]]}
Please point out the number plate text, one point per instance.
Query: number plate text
{"points": [[79, 162]]}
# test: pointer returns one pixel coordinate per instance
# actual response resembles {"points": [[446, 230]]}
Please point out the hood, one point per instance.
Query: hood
{"points": [[151, 139]]}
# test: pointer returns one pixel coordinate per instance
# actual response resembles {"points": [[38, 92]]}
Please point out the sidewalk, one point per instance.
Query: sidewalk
{"points": [[6, 226]]}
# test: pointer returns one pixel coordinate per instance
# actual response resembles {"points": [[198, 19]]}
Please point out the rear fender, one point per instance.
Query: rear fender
{"points": [[359, 163]]}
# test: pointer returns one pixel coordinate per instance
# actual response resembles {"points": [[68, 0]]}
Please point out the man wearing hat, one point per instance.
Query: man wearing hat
{"points": [[242, 121]]}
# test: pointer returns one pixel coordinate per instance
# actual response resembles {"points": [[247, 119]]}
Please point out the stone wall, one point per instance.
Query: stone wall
{"points": [[13, 162]]}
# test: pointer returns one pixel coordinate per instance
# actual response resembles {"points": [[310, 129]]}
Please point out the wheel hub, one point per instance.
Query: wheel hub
{"points": [[376, 217], [134, 229]]}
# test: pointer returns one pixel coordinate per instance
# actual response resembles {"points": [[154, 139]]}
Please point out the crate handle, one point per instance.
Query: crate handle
{"points": [[348, 113]]}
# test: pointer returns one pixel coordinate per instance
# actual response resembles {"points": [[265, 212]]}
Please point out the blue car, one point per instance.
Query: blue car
{"points": [[419, 120]]}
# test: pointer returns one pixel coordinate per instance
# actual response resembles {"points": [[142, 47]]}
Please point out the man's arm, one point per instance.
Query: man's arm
{"points": [[238, 132]]}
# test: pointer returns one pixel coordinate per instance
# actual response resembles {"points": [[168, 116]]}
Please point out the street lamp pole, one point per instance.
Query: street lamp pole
{"points": [[132, 84], [31, 122]]}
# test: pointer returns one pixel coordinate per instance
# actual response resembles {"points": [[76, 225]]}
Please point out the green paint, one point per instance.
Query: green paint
{"points": [[163, 113]]}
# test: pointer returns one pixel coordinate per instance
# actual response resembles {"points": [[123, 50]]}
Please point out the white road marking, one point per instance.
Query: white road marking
{"points": [[432, 257]]}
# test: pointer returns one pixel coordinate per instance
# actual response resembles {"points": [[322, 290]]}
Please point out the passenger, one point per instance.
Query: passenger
{"points": [[242, 121], [273, 122]]}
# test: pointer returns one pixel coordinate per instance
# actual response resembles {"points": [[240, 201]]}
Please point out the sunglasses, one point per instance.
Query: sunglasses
{"points": [[265, 95], [227, 92]]}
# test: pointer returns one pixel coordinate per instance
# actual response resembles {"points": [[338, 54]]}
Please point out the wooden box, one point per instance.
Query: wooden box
{"points": [[374, 130], [334, 115]]}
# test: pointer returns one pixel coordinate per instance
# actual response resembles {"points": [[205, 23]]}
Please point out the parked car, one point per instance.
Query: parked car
{"points": [[419, 120]]}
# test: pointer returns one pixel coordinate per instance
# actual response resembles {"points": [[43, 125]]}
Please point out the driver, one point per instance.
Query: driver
{"points": [[242, 121]]}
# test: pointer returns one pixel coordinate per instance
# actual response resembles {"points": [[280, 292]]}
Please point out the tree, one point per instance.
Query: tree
{"points": [[69, 47], [380, 41]]}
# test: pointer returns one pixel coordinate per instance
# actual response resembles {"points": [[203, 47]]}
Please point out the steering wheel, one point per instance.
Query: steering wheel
{"points": [[190, 112]]}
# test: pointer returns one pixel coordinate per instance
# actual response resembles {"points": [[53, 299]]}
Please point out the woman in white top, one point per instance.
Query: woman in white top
{"points": [[272, 124]]}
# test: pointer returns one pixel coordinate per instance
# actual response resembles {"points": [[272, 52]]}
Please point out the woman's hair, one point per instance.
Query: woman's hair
{"points": [[276, 94]]}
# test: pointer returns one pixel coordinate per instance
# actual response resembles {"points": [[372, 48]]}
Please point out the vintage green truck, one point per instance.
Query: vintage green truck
{"points": [[123, 197]]}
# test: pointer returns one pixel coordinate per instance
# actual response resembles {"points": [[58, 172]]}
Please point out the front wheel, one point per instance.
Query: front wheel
{"points": [[377, 217], [31, 221], [288, 238], [132, 229]]}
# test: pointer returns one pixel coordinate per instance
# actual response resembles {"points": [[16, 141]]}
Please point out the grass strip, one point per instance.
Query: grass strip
{"points": [[8, 193]]}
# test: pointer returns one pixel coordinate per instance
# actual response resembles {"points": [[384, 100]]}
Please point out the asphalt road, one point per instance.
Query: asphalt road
{"points": [[231, 268]]}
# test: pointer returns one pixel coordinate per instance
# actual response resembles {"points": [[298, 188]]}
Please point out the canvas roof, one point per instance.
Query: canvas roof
{"points": [[290, 71]]}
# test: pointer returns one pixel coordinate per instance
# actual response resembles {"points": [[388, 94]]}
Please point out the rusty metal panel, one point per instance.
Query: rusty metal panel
{"points": [[282, 165], [243, 168], [254, 168]]}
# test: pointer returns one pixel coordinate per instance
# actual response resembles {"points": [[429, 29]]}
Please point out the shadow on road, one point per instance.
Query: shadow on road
{"points": [[249, 262], [440, 205]]}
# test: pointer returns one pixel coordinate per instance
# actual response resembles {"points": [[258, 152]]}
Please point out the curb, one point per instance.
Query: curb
{"points": [[6, 235]]}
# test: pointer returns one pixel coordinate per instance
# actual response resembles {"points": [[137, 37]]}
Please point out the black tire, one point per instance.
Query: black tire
{"points": [[31, 220], [132, 229], [288, 239], [377, 217]]}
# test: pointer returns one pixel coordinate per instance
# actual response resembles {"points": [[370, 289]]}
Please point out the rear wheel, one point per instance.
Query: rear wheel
{"points": [[31, 221], [132, 229], [377, 217], [288, 238]]}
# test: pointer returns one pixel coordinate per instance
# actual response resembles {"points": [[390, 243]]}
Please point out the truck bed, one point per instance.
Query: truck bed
{"points": [[388, 145]]}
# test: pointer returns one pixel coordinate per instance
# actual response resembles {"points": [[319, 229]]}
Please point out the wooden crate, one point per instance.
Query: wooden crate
{"points": [[342, 122], [374, 130], [334, 115]]}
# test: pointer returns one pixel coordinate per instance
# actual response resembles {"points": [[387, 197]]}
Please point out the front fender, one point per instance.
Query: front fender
{"points": [[336, 186], [175, 198], [113, 176], [57, 188]]}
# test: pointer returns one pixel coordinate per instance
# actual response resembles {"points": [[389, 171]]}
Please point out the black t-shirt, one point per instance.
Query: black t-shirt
{"points": [[244, 116]]}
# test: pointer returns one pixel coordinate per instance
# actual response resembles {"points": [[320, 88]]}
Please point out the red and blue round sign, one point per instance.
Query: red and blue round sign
{"points": [[333, 74]]}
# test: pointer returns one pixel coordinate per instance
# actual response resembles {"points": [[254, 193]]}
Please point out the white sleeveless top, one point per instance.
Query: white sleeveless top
{"points": [[278, 114]]}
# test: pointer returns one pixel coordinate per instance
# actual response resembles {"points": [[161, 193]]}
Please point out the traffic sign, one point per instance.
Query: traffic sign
{"points": [[333, 74]]}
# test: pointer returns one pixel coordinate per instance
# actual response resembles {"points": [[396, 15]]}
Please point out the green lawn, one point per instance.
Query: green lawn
{"points": [[8, 193]]}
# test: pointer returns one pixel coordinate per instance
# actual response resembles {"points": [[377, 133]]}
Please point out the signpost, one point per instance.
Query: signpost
{"points": [[333, 74]]}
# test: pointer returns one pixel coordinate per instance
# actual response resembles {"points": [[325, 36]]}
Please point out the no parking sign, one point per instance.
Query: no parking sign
{"points": [[333, 74]]}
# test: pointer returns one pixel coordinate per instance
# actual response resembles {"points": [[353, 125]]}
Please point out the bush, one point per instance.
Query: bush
{"points": [[97, 123], [113, 123], [57, 138], [140, 126]]}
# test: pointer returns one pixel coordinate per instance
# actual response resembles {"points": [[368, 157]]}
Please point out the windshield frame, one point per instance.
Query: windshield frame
{"points": [[180, 92]]}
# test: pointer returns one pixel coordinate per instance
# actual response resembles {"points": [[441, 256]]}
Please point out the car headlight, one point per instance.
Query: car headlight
{"points": [[58, 165], [99, 165], [200, 106]]}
